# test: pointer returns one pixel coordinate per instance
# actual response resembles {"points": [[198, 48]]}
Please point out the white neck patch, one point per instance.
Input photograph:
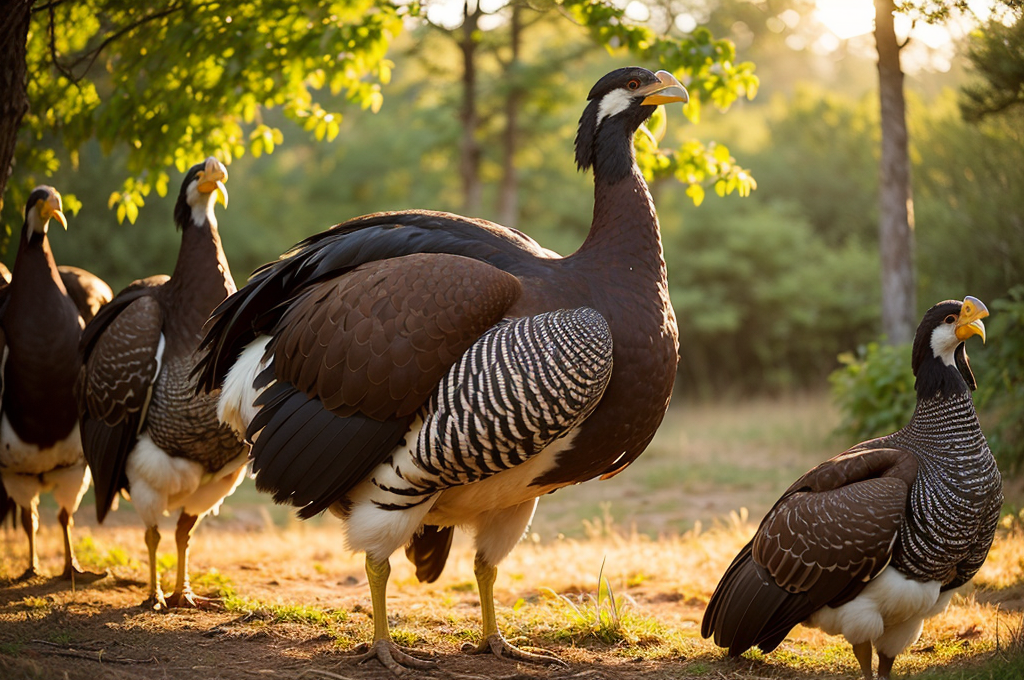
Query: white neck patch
{"points": [[612, 103], [944, 343], [201, 204]]}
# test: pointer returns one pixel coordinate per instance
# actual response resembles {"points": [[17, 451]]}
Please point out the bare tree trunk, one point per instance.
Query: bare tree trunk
{"points": [[14, 23], [896, 215], [469, 148], [508, 195]]}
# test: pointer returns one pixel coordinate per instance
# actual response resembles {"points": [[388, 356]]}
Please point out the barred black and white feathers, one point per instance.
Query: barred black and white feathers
{"points": [[955, 500], [524, 384]]}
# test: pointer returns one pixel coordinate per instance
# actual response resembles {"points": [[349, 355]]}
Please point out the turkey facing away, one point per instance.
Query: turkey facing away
{"points": [[40, 326], [143, 429], [414, 371], [874, 541]]}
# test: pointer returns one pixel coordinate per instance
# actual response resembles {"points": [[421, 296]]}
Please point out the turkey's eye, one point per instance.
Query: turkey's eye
{"points": [[950, 319], [633, 84]]}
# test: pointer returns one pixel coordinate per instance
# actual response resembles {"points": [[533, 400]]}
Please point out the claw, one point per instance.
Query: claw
{"points": [[187, 599], [28, 574], [503, 649], [79, 576], [393, 657], [155, 602]]}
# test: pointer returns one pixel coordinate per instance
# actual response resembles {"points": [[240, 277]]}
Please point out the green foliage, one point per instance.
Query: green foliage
{"points": [[968, 202], [708, 68], [1000, 373], [172, 83], [996, 53], [823, 155], [761, 299], [874, 390]]}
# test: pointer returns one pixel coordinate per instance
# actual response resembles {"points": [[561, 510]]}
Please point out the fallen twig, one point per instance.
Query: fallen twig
{"points": [[99, 656]]}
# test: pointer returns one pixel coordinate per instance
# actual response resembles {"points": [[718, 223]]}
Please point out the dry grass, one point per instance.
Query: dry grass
{"points": [[295, 599]]}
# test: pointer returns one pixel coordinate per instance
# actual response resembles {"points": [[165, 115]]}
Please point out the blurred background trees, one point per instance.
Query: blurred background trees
{"points": [[769, 289]]}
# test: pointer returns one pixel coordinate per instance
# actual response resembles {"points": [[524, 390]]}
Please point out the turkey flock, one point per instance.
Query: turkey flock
{"points": [[416, 371]]}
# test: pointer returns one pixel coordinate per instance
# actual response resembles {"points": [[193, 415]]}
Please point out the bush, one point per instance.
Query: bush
{"points": [[874, 390], [1000, 373]]}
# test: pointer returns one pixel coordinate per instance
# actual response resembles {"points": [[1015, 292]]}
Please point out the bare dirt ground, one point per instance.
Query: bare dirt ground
{"points": [[294, 602]]}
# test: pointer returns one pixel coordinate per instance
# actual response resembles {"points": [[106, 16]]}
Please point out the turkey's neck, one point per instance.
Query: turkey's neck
{"points": [[201, 278]]}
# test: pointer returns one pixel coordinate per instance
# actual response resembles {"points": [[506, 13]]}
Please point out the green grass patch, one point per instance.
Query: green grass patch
{"points": [[214, 582], [285, 613], [404, 637], [11, 648], [35, 603], [1000, 666], [606, 616], [91, 553]]}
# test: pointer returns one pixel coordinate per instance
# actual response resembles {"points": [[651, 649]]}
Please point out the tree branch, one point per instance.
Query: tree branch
{"points": [[93, 54], [47, 6], [53, 46]]}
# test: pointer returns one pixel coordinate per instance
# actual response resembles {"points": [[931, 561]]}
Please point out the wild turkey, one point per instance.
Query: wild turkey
{"points": [[414, 371], [143, 429], [874, 541], [40, 326]]}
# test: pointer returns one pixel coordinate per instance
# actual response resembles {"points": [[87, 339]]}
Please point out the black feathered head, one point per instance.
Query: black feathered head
{"points": [[203, 184], [939, 357], [619, 103], [43, 203]]}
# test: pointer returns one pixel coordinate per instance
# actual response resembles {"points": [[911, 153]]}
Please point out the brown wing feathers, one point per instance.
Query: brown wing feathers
{"points": [[114, 384], [830, 533], [355, 357], [257, 308]]}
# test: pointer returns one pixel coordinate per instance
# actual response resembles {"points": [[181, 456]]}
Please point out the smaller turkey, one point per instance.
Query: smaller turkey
{"points": [[874, 541], [143, 429], [41, 322]]}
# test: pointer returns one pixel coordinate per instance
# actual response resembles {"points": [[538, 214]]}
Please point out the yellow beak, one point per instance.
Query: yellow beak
{"points": [[665, 91], [971, 314], [52, 208], [212, 178]]}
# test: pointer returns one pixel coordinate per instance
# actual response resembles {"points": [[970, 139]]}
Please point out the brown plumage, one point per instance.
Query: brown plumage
{"points": [[419, 370], [874, 541], [88, 291], [40, 326], [144, 430]]}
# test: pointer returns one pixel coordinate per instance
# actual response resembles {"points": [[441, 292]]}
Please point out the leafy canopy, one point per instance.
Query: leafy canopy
{"points": [[172, 83]]}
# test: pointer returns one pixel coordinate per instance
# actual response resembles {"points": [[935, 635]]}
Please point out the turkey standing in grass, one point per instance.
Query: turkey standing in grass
{"points": [[874, 541], [417, 371], [143, 428], [40, 326]]}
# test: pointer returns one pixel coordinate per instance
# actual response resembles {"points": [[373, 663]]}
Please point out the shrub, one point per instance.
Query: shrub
{"points": [[874, 390], [1000, 373]]}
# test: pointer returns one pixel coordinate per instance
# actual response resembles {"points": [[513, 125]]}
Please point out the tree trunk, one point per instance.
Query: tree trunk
{"points": [[896, 214], [14, 23], [508, 194], [469, 148]]}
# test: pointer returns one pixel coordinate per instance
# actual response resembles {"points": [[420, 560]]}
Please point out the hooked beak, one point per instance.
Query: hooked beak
{"points": [[52, 208], [212, 179], [971, 314], [665, 91]]}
